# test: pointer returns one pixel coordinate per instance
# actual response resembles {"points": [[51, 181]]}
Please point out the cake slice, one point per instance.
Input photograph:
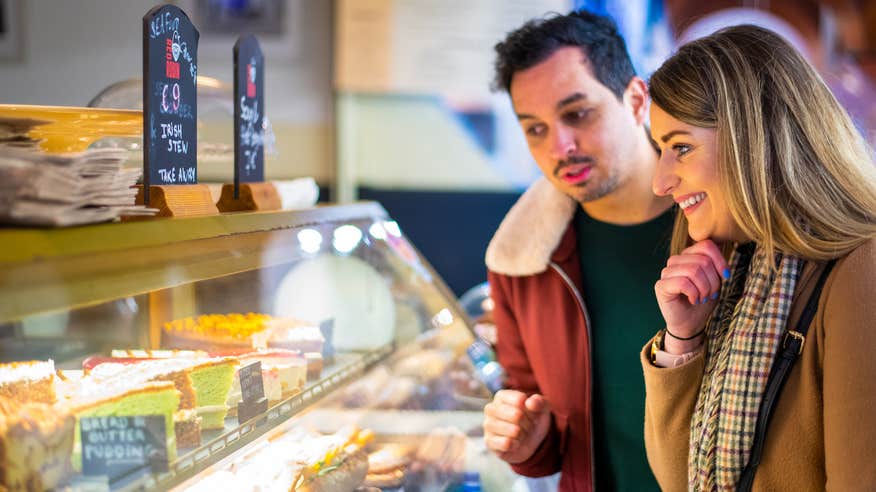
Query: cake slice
{"points": [[284, 373], [209, 380], [141, 371], [31, 381], [35, 445], [187, 428], [212, 379], [124, 399]]}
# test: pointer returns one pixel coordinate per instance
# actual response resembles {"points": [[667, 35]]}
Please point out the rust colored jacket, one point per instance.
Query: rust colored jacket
{"points": [[822, 435], [543, 343]]}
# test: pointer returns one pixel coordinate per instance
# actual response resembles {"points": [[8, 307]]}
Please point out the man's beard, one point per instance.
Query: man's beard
{"points": [[593, 189], [600, 189]]}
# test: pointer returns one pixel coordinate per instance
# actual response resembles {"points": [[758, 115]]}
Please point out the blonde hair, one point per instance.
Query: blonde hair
{"points": [[798, 177]]}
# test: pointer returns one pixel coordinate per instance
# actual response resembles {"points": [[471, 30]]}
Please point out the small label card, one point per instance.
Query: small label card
{"points": [[117, 446], [252, 390]]}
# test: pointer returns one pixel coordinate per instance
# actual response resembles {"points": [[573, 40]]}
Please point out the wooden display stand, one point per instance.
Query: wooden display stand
{"points": [[253, 196], [178, 200]]}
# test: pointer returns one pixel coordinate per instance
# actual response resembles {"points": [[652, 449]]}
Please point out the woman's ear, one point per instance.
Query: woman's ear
{"points": [[636, 98]]}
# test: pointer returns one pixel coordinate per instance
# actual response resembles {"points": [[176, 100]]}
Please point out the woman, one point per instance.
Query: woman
{"points": [[769, 171]]}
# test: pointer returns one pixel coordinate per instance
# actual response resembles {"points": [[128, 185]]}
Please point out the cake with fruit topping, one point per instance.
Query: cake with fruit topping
{"points": [[217, 332]]}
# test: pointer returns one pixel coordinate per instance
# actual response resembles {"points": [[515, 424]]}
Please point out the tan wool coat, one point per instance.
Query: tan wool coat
{"points": [[823, 431]]}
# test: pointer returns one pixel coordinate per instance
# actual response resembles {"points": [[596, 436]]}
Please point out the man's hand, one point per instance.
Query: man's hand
{"points": [[514, 425]]}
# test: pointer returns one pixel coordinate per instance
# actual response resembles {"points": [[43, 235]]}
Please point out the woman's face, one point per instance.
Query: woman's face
{"points": [[688, 170]]}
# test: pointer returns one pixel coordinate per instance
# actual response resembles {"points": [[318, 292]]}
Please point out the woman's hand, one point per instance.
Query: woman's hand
{"points": [[686, 293]]}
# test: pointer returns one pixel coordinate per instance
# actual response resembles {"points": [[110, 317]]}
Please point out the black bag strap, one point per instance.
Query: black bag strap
{"points": [[792, 347]]}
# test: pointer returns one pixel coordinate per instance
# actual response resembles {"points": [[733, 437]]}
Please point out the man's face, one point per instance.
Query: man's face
{"points": [[582, 137]]}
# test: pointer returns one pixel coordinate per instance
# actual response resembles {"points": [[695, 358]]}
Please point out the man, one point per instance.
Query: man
{"points": [[573, 265]]}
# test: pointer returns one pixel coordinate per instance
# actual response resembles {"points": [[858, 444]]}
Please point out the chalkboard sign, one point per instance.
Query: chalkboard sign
{"points": [[252, 392], [116, 446], [170, 72], [249, 112]]}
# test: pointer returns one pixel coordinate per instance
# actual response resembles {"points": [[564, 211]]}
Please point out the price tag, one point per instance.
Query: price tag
{"points": [[249, 111], [170, 71], [117, 446], [252, 390]]}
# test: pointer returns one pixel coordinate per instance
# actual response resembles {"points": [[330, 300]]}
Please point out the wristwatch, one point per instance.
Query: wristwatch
{"points": [[657, 345]]}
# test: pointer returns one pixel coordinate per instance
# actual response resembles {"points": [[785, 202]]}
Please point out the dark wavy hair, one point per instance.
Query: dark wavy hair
{"points": [[538, 39]]}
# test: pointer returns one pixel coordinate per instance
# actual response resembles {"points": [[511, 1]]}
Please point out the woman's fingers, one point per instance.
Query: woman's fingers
{"points": [[713, 252], [698, 267], [670, 287], [703, 277]]}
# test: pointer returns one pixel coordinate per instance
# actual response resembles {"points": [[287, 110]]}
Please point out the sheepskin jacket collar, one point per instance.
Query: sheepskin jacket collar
{"points": [[532, 232]]}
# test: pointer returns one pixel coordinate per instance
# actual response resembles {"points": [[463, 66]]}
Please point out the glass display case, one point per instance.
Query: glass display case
{"points": [[250, 351]]}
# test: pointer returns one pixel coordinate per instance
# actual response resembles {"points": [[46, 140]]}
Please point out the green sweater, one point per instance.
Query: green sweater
{"points": [[620, 265]]}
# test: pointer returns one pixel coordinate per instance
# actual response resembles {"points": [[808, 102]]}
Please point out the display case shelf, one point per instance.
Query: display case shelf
{"points": [[47, 270], [220, 444]]}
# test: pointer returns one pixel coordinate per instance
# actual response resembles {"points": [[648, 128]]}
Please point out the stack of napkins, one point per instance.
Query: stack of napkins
{"points": [[14, 132], [66, 189]]}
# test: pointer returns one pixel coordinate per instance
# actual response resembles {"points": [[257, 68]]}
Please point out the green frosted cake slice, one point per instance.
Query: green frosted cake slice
{"points": [[212, 381], [102, 400]]}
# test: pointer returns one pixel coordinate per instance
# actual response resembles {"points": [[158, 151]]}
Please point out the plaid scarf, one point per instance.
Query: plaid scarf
{"points": [[742, 339]]}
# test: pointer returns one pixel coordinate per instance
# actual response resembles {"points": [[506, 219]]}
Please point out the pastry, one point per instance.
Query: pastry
{"points": [[36, 441], [32, 381]]}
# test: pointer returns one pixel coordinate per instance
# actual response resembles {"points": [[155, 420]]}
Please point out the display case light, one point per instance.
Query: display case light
{"points": [[310, 240], [392, 228], [346, 238], [377, 231]]}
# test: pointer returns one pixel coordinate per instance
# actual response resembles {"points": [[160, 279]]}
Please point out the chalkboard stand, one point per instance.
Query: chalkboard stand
{"points": [[179, 200], [253, 197]]}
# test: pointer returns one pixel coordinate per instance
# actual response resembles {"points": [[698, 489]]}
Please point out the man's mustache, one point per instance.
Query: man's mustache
{"points": [[575, 159]]}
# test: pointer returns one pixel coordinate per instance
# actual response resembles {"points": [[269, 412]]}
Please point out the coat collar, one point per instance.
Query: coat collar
{"points": [[532, 231]]}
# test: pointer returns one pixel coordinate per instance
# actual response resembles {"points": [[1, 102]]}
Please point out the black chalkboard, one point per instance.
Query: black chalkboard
{"points": [[170, 71], [117, 446], [249, 112], [252, 391]]}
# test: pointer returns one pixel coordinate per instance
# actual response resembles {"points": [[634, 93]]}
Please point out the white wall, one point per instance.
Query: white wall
{"points": [[75, 48]]}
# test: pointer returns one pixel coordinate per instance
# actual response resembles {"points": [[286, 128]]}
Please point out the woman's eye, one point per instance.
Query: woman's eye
{"points": [[681, 149], [535, 130]]}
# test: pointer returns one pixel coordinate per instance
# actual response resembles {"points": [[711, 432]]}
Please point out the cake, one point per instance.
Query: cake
{"points": [[32, 381], [140, 371], [210, 378], [284, 373], [217, 332], [214, 331], [36, 441], [125, 399], [291, 334], [187, 428], [314, 365], [213, 379]]}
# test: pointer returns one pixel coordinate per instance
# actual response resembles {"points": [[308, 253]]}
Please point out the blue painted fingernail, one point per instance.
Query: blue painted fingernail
{"points": [[698, 302], [715, 295], [726, 273]]}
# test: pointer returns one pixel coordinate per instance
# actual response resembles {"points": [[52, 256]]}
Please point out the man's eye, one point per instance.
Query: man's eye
{"points": [[576, 116]]}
